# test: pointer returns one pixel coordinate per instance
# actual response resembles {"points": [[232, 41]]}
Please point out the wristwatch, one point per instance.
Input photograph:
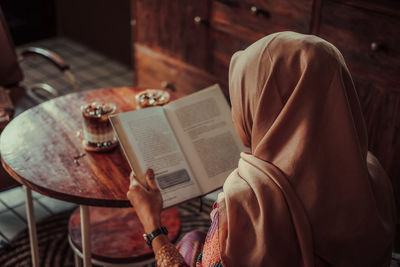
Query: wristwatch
{"points": [[149, 237]]}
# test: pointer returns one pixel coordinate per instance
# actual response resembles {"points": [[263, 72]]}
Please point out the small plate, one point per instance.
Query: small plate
{"points": [[152, 97]]}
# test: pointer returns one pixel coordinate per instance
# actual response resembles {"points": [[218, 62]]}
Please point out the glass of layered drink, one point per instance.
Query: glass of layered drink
{"points": [[98, 134]]}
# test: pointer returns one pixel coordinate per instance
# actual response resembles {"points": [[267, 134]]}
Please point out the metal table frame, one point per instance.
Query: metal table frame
{"points": [[85, 222]]}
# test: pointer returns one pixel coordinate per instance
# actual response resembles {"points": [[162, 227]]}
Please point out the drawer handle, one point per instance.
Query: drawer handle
{"points": [[258, 11], [375, 46], [167, 85], [200, 21], [254, 10]]}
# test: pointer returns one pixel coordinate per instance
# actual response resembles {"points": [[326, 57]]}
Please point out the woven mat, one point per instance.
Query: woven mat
{"points": [[54, 250]]}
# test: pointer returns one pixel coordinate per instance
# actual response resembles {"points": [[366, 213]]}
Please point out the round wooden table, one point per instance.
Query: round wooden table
{"points": [[42, 149]]}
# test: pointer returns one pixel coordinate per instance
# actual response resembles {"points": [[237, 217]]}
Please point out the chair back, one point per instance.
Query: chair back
{"points": [[10, 72]]}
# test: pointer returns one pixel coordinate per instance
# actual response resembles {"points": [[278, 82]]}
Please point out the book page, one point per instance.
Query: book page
{"points": [[203, 125], [149, 142]]}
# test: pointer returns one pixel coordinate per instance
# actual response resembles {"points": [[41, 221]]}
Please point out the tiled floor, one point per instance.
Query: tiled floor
{"points": [[13, 213], [91, 70]]}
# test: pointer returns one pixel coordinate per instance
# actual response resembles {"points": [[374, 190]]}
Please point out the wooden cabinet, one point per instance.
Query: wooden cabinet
{"points": [[170, 28], [188, 45], [368, 40], [234, 25], [154, 69], [172, 44], [367, 34]]}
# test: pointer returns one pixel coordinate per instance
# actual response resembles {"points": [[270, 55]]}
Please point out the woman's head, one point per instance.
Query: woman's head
{"points": [[307, 180], [284, 87]]}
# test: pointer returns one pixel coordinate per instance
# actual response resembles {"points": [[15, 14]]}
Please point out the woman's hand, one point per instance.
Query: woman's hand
{"points": [[147, 202]]}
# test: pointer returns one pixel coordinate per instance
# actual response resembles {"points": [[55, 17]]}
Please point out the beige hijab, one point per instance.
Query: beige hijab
{"points": [[310, 193]]}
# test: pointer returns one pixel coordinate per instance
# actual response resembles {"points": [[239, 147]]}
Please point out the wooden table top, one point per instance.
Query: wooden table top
{"points": [[39, 148]]}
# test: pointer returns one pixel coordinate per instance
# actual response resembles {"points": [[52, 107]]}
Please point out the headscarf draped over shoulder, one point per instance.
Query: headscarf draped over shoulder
{"points": [[309, 193]]}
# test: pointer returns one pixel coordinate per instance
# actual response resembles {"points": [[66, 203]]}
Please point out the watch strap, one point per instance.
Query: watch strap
{"points": [[149, 237]]}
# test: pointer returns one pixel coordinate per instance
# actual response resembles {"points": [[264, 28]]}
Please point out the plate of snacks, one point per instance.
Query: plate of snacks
{"points": [[151, 97]]}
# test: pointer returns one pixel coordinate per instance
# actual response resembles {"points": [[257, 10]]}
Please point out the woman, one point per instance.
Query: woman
{"points": [[309, 193]]}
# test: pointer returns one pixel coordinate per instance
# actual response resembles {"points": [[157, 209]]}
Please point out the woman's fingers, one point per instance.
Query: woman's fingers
{"points": [[135, 190], [135, 185], [151, 181]]}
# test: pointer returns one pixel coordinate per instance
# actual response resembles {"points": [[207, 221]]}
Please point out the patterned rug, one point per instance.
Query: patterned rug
{"points": [[54, 250]]}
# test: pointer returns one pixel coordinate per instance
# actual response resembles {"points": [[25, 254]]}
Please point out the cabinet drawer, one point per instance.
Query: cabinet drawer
{"points": [[255, 19], [234, 25], [367, 39], [170, 27], [156, 70]]}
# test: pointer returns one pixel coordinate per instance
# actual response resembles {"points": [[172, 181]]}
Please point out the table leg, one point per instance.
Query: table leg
{"points": [[77, 260], [85, 226], [30, 214]]}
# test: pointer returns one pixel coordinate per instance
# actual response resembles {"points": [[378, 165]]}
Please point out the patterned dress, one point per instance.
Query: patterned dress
{"points": [[195, 248], [210, 256]]}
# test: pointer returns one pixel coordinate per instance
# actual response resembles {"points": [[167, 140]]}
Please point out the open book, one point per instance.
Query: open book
{"points": [[191, 143]]}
